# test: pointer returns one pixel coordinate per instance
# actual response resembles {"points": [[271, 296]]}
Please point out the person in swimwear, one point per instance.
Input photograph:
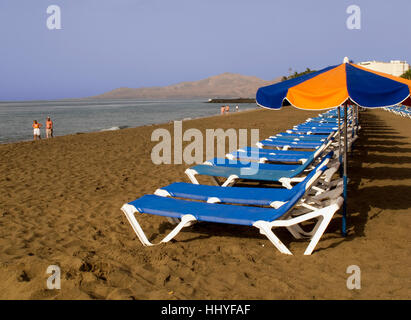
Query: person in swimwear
{"points": [[49, 128], [36, 129]]}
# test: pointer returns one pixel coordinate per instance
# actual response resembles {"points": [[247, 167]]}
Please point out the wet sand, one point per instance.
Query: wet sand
{"points": [[60, 203]]}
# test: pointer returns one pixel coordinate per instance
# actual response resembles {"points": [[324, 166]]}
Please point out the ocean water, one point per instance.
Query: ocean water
{"points": [[75, 116]]}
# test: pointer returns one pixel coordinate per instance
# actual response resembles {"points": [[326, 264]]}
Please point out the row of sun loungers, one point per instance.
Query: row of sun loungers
{"points": [[301, 167], [400, 110]]}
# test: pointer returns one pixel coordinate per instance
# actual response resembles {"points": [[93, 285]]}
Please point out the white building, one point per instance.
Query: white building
{"points": [[394, 67]]}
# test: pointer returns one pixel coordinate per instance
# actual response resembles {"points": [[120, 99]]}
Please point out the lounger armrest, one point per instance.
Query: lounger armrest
{"points": [[162, 193]]}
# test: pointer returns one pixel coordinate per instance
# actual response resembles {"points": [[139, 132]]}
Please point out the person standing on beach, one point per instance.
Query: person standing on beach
{"points": [[36, 129], [236, 108], [49, 128], [227, 109], [222, 110]]}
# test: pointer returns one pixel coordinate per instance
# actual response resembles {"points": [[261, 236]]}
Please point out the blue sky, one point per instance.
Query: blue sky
{"points": [[105, 44]]}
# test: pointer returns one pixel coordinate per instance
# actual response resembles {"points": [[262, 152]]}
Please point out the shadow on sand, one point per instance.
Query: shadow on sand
{"points": [[366, 163]]}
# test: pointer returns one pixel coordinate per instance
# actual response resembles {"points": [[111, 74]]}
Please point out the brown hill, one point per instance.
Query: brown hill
{"points": [[226, 85]]}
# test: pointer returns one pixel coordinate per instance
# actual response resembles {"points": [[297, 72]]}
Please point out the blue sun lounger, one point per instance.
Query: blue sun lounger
{"points": [[244, 157], [224, 162], [291, 144], [264, 152], [252, 172], [314, 130], [286, 136], [292, 134], [324, 120], [300, 139], [265, 219], [288, 144], [318, 124], [316, 127], [269, 155], [399, 110]]}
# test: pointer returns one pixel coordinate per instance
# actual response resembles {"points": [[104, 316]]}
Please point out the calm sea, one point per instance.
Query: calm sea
{"points": [[76, 116]]}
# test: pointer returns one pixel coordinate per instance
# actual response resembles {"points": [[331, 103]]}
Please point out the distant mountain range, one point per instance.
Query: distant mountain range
{"points": [[226, 85]]}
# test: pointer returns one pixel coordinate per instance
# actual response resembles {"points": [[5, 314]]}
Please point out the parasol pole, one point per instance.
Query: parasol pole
{"points": [[344, 216], [339, 138], [353, 120]]}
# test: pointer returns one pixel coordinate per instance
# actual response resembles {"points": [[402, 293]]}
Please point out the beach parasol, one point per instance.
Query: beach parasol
{"points": [[335, 86]]}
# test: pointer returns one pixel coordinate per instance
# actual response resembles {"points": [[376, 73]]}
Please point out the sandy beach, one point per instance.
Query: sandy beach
{"points": [[60, 203]]}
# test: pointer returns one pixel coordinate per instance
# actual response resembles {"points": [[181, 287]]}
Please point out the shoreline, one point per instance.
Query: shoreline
{"points": [[146, 125]]}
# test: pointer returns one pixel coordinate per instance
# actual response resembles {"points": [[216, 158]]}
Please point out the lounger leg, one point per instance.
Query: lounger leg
{"points": [[186, 221], [266, 230], [230, 181], [318, 231], [129, 212]]}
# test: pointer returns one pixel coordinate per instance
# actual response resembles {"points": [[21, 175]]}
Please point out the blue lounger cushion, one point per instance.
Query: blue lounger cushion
{"points": [[312, 131], [241, 173], [316, 128], [295, 140], [324, 119], [253, 153], [292, 144], [317, 125], [269, 157], [244, 164], [298, 137], [263, 152]]}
